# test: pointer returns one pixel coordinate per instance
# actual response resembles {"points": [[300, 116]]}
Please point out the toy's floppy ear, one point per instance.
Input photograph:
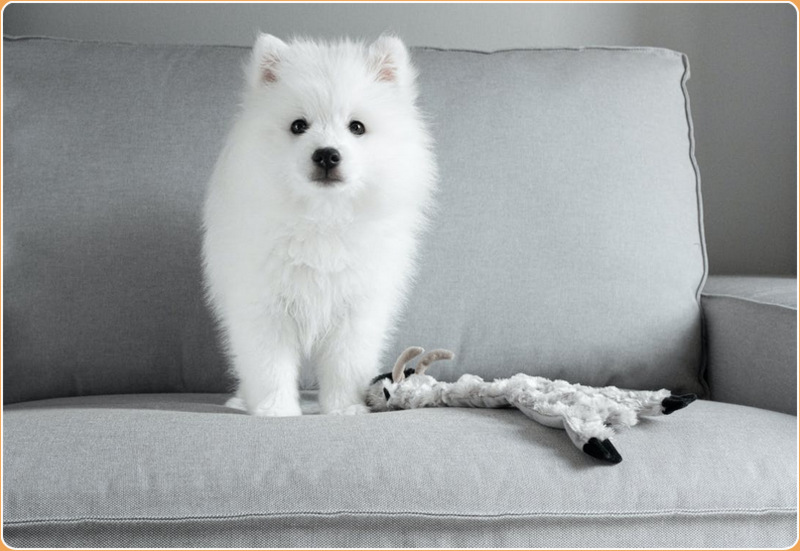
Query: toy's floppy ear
{"points": [[266, 59], [432, 356], [407, 355], [388, 58]]}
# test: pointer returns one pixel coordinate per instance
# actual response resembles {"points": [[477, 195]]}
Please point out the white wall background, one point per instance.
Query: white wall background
{"points": [[743, 87]]}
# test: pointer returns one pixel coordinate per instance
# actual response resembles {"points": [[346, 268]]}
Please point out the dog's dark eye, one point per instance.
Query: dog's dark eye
{"points": [[299, 126], [357, 128], [386, 393]]}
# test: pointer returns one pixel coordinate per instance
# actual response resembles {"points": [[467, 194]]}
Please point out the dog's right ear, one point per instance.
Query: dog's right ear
{"points": [[265, 60]]}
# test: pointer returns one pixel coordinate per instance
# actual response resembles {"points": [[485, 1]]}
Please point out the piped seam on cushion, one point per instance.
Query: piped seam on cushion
{"points": [[750, 300], [632, 49], [636, 514], [635, 49], [703, 367], [92, 41], [698, 188]]}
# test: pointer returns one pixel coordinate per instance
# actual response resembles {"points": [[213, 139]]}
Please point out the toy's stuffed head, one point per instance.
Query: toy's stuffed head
{"points": [[382, 387]]}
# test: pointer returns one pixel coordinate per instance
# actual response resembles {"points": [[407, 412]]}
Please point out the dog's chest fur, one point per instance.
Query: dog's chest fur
{"points": [[323, 270]]}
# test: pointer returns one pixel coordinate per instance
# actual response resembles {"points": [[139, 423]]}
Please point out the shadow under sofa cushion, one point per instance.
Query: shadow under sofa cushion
{"points": [[567, 242], [182, 470]]}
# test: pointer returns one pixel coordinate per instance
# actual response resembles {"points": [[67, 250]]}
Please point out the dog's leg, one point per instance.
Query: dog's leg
{"points": [[236, 402], [266, 363], [347, 359]]}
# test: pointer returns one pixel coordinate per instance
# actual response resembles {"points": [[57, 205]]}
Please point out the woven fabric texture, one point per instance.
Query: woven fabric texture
{"points": [[751, 329], [183, 470]]}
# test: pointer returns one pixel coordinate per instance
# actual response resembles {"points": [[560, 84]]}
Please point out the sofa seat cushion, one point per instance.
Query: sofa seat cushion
{"points": [[176, 470]]}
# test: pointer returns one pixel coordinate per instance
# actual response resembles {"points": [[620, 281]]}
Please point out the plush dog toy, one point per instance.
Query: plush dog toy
{"points": [[588, 414]]}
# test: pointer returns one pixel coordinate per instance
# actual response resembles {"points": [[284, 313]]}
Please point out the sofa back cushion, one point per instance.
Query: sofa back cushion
{"points": [[567, 243]]}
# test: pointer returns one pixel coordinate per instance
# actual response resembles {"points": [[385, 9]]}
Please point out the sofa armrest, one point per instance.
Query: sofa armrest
{"points": [[751, 341]]}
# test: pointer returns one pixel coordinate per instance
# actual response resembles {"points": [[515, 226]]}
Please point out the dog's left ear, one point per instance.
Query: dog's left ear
{"points": [[389, 60]]}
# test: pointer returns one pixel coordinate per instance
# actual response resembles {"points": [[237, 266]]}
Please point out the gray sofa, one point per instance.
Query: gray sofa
{"points": [[568, 243]]}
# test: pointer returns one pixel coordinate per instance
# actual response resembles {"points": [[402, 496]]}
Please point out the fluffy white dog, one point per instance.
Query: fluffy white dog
{"points": [[312, 218]]}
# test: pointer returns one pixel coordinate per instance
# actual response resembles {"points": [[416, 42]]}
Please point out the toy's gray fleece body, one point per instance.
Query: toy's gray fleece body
{"points": [[588, 414], [584, 412]]}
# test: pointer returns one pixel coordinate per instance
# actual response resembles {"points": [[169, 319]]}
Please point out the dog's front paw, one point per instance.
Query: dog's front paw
{"points": [[355, 409], [274, 408], [236, 403]]}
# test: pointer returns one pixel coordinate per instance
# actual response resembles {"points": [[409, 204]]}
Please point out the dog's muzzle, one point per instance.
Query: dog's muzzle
{"points": [[326, 160]]}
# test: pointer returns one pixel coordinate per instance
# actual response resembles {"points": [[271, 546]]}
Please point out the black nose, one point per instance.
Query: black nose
{"points": [[326, 157]]}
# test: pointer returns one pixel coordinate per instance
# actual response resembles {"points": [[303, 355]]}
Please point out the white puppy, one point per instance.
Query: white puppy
{"points": [[313, 216]]}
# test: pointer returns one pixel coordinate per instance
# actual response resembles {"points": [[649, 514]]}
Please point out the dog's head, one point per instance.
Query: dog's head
{"points": [[334, 118]]}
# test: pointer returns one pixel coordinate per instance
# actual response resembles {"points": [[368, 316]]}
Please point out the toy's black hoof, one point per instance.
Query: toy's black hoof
{"points": [[603, 450], [676, 402]]}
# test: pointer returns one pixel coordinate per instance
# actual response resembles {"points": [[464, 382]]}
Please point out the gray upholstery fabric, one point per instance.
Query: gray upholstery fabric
{"points": [[775, 290], [182, 471], [568, 241], [751, 329]]}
